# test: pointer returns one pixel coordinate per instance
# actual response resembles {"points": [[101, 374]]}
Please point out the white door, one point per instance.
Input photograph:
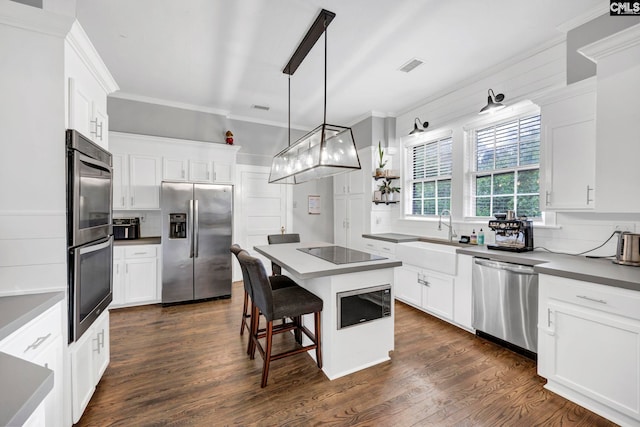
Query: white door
{"points": [[262, 211]]}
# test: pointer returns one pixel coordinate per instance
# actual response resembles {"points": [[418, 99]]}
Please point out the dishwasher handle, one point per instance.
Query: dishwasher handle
{"points": [[513, 268]]}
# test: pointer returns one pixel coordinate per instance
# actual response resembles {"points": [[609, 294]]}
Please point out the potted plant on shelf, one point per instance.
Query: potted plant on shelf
{"points": [[381, 162], [387, 190]]}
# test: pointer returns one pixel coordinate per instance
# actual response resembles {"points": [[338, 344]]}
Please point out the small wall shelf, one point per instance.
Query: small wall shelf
{"points": [[385, 202], [385, 177]]}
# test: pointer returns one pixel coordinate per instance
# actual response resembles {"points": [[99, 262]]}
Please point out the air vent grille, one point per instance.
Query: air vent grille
{"points": [[411, 64]]}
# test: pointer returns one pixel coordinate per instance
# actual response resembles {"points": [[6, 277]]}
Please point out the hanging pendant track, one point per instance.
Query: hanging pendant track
{"points": [[317, 29]]}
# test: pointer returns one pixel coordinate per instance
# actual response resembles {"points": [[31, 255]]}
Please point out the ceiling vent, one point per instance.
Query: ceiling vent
{"points": [[260, 107], [411, 64]]}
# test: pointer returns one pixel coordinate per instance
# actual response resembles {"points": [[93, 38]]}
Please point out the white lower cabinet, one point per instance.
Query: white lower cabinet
{"points": [[89, 359], [380, 247], [446, 296], [425, 289], [589, 346], [136, 275], [40, 342]]}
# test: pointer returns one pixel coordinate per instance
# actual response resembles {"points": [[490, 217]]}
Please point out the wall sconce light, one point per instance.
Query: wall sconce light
{"points": [[494, 103], [417, 123]]}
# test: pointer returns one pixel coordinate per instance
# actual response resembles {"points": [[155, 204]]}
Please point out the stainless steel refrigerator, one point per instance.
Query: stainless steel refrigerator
{"points": [[196, 236]]}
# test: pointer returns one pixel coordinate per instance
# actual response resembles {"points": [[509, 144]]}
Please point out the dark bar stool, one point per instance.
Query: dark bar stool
{"points": [[276, 282], [275, 239], [236, 249], [290, 302]]}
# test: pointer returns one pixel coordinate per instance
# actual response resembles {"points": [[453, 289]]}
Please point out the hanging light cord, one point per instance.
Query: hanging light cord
{"points": [[325, 71], [289, 112]]}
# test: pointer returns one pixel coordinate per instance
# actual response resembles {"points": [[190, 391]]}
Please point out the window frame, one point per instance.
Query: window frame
{"points": [[472, 173], [424, 139]]}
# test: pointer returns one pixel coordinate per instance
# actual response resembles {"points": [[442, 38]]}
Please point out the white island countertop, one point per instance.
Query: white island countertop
{"points": [[305, 266]]}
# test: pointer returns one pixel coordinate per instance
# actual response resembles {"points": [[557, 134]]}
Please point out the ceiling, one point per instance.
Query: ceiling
{"points": [[224, 56]]}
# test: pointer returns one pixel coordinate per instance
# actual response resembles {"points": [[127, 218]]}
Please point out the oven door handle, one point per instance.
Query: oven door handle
{"points": [[94, 162], [93, 247]]}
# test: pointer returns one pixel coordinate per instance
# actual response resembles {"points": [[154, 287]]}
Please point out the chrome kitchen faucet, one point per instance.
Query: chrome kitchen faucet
{"points": [[452, 232]]}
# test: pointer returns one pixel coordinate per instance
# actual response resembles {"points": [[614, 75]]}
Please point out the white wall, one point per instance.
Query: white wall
{"points": [[32, 181], [312, 227]]}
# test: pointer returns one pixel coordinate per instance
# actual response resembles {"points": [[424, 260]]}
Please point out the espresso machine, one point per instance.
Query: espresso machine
{"points": [[515, 235]]}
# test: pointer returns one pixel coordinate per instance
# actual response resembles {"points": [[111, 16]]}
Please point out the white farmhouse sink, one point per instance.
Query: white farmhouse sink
{"points": [[433, 256]]}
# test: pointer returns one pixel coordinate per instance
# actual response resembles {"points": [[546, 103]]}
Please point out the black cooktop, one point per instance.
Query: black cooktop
{"points": [[340, 255]]}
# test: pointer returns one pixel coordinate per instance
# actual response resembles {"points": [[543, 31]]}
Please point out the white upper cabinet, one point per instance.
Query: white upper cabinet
{"points": [[618, 115], [568, 148], [349, 183], [88, 82], [223, 172], [142, 162], [136, 181], [200, 171], [175, 169], [144, 182]]}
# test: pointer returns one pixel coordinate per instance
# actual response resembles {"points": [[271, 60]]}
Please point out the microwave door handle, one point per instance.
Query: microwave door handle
{"points": [[196, 229]]}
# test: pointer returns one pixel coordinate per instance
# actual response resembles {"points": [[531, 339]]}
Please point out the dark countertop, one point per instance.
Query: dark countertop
{"points": [[600, 271], [304, 266], [155, 240], [24, 384], [24, 387], [18, 310], [392, 237]]}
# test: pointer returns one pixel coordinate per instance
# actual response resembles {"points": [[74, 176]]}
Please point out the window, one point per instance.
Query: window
{"points": [[430, 172], [506, 170]]}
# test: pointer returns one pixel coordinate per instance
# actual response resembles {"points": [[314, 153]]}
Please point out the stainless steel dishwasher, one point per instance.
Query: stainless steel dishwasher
{"points": [[505, 302]]}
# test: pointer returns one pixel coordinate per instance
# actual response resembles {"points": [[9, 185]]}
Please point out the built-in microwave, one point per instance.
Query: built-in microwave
{"points": [[89, 190], [363, 305]]}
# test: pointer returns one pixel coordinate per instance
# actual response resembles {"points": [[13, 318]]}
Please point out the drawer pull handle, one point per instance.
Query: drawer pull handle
{"points": [[139, 253], [37, 343], [599, 301]]}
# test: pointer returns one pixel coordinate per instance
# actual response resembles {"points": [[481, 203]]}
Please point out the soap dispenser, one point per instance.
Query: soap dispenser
{"points": [[474, 238], [481, 237]]}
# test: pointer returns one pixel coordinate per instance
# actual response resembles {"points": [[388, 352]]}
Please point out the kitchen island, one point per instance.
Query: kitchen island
{"points": [[350, 348]]}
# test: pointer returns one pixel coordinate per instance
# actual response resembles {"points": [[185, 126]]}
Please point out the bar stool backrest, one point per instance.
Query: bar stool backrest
{"points": [[262, 296], [246, 280]]}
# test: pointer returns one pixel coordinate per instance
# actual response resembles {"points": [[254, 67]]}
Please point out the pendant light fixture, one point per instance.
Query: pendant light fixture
{"points": [[494, 103], [417, 122], [328, 149]]}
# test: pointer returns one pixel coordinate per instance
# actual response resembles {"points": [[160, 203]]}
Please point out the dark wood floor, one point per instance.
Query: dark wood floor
{"points": [[186, 365]]}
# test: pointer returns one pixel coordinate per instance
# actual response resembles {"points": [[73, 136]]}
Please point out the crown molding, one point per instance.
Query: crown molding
{"points": [[622, 40], [78, 40], [582, 19], [34, 19]]}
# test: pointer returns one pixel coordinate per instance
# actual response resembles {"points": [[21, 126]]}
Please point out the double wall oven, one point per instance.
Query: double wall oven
{"points": [[89, 231]]}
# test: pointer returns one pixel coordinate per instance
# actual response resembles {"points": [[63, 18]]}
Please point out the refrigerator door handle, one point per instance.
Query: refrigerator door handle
{"points": [[196, 229], [190, 223]]}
